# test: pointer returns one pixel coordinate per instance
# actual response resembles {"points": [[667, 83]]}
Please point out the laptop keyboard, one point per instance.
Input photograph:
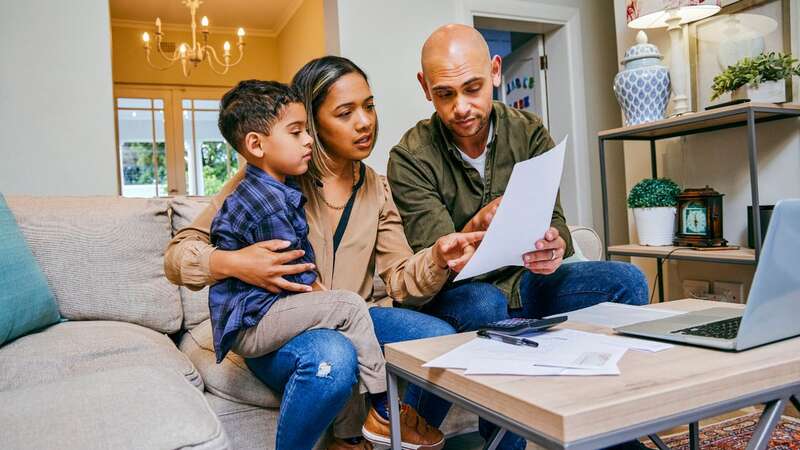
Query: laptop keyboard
{"points": [[723, 329]]}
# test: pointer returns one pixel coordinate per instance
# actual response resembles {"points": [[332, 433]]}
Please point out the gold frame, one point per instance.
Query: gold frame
{"points": [[737, 7]]}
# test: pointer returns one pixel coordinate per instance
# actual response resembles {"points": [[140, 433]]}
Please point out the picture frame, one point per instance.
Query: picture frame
{"points": [[709, 56]]}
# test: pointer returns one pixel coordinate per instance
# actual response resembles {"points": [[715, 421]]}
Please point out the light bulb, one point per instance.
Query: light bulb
{"points": [[204, 22], [240, 32], [226, 46], [182, 50], [146, 37], [158, 24]]}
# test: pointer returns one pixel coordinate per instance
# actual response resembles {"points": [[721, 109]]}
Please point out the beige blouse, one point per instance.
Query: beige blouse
{"points": [[374, 240]]}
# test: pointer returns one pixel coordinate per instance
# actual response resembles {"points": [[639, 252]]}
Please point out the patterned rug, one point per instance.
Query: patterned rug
{"points": [[734, 434]]}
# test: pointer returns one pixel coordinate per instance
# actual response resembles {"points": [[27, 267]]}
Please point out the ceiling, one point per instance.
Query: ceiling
{"points": [[265, 16]]}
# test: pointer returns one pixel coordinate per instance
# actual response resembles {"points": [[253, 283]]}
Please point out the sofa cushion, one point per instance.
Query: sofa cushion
{"points": [[103, 257], [248, 427], [231, 379], [130, 408], [195, 303], [26, 302], [72, 349]]}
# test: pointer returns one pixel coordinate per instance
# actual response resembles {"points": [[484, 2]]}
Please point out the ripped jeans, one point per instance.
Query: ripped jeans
{"points": [[316, 371]]}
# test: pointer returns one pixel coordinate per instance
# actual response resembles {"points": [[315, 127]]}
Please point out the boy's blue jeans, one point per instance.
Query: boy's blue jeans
{"points": [[573, 286], [313, 398]]}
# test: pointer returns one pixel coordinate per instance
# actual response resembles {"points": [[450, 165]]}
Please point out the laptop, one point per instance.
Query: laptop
{"points": [[773, 307]]}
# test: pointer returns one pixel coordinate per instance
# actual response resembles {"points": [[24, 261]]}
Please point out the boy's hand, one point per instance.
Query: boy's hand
{"points": [[261, 265], [454, 250]]}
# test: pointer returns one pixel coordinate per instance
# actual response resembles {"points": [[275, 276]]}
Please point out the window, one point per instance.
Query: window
{"points": [[168, 142], [140, 124], [210, 161]]}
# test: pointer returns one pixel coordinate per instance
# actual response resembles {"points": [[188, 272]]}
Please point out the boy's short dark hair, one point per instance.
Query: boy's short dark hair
{"points": [[253, 106]]}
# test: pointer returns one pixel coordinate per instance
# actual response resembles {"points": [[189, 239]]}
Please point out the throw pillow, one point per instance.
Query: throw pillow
{"points": [[26, 302]]}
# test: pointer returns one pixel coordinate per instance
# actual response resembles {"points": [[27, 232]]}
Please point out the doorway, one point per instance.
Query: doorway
{"points": [[558, 80], [524, 75]]}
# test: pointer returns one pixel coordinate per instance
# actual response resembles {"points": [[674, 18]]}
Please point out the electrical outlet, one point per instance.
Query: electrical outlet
{"points": [[696, 288], [730, 291]]}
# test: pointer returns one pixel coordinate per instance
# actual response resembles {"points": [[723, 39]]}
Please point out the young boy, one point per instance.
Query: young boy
{"points": [[266, 122]]}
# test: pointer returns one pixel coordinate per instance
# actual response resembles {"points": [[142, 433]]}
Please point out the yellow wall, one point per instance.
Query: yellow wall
{"points": [[302, 39], [129, 66], [266, 58]]}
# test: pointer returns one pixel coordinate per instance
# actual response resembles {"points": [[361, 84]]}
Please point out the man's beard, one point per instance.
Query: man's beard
{"points": [[482, 122]]}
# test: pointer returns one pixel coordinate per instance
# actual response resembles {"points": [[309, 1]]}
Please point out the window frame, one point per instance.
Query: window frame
{"points": [[173, 97]]}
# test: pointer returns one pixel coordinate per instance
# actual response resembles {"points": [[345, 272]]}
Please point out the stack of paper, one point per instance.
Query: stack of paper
{"points": [[560, 352], [613, 315]]}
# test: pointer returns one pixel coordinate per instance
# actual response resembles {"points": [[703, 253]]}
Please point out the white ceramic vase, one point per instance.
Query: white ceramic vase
{"points": [[656, 226], [768, 92]]}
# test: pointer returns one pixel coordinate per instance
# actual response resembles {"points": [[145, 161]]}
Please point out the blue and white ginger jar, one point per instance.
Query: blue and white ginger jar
{"points": [[643, 86]]}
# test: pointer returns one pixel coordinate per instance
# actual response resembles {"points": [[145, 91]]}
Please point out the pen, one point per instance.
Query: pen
{"points": [[507, 339]]}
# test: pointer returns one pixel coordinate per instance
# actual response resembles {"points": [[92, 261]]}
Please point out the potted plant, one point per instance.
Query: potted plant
{"points": [[759, 79], [654, 202]]}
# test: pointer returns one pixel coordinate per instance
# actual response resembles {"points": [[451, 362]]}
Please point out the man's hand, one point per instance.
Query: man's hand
{"points": [[261, 265], [481, 220], [455, 249], [549, 254]]}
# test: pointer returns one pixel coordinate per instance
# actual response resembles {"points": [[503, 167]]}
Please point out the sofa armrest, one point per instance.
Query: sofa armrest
{"points": [[587, 243]]}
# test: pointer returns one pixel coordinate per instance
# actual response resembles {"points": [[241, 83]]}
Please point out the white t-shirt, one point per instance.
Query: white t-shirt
{"points": [[479, 163]]}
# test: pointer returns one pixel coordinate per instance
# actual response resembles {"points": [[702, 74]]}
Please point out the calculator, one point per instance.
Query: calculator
{"points": [[517, 326]]}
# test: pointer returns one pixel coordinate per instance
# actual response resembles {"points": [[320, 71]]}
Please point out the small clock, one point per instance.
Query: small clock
{"points": [[699, 219]]}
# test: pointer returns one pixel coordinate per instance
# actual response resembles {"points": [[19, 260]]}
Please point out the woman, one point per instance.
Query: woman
{"points": [[355, 229]]}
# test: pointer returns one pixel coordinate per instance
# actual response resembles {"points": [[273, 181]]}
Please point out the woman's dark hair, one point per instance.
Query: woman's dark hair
{"points": [[314, 81]]}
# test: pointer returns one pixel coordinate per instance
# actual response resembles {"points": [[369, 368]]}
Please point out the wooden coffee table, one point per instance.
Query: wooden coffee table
{"points": [[655, 392]]}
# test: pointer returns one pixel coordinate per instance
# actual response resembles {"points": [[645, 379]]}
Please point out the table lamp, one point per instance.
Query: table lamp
{"points": [[642, 14]]}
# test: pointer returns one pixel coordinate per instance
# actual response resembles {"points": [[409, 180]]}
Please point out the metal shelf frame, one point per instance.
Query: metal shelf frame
{"points": [[747, 115]]}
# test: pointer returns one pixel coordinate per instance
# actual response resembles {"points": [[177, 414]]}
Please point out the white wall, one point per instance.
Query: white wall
{"points": [[56, 103], [385, 39], [718, 159]]}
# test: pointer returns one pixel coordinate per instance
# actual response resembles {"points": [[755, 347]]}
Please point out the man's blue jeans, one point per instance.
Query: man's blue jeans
{"points": [[312, 398], [573, 286]]}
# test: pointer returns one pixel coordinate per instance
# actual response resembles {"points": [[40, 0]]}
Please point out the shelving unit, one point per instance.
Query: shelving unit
{"points": [[742, 115]]}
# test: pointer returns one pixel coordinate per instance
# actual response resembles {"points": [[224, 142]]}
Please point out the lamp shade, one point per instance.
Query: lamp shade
{"points": [[654, 13]]}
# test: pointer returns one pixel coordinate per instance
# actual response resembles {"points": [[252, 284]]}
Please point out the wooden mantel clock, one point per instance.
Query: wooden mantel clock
{"points": [[699, 219]]}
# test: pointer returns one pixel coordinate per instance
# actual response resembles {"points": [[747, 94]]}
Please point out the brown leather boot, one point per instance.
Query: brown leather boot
{"points": [[415, 433], [341, 444]]}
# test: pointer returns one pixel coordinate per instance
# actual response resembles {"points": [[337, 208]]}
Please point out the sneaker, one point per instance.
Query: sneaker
{"points": [[341, 444], [415, 432]]}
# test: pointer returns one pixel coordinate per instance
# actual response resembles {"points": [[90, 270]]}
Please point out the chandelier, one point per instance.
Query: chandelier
{"points": [[192, 56]]}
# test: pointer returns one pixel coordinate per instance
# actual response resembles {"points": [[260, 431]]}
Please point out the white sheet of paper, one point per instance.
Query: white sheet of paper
{"points": [[617, 341], [523, 216], [553, 351], [614, 315], [506, 367]]}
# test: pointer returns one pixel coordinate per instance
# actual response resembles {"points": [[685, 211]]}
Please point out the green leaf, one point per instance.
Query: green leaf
{"points": [[654, 193]]}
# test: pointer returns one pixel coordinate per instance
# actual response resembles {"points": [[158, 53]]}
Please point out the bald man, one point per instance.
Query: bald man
{"points": [[449, 173]]}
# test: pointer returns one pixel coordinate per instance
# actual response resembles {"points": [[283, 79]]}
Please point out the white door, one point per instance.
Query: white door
{"points": [[524, 79]]}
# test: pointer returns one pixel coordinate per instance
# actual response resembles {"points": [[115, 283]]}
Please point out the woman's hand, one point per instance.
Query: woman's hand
{"points": [[481, 220], [455, 249], [261, 265]]}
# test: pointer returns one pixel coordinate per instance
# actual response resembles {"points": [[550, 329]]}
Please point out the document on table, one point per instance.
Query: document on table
{"points": [[613, 315], [523, 215], [617, 341], [561, 352], [513, 367]]}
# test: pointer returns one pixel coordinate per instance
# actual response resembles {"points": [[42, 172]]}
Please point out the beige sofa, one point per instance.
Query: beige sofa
{"points": [[132, 367]]}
